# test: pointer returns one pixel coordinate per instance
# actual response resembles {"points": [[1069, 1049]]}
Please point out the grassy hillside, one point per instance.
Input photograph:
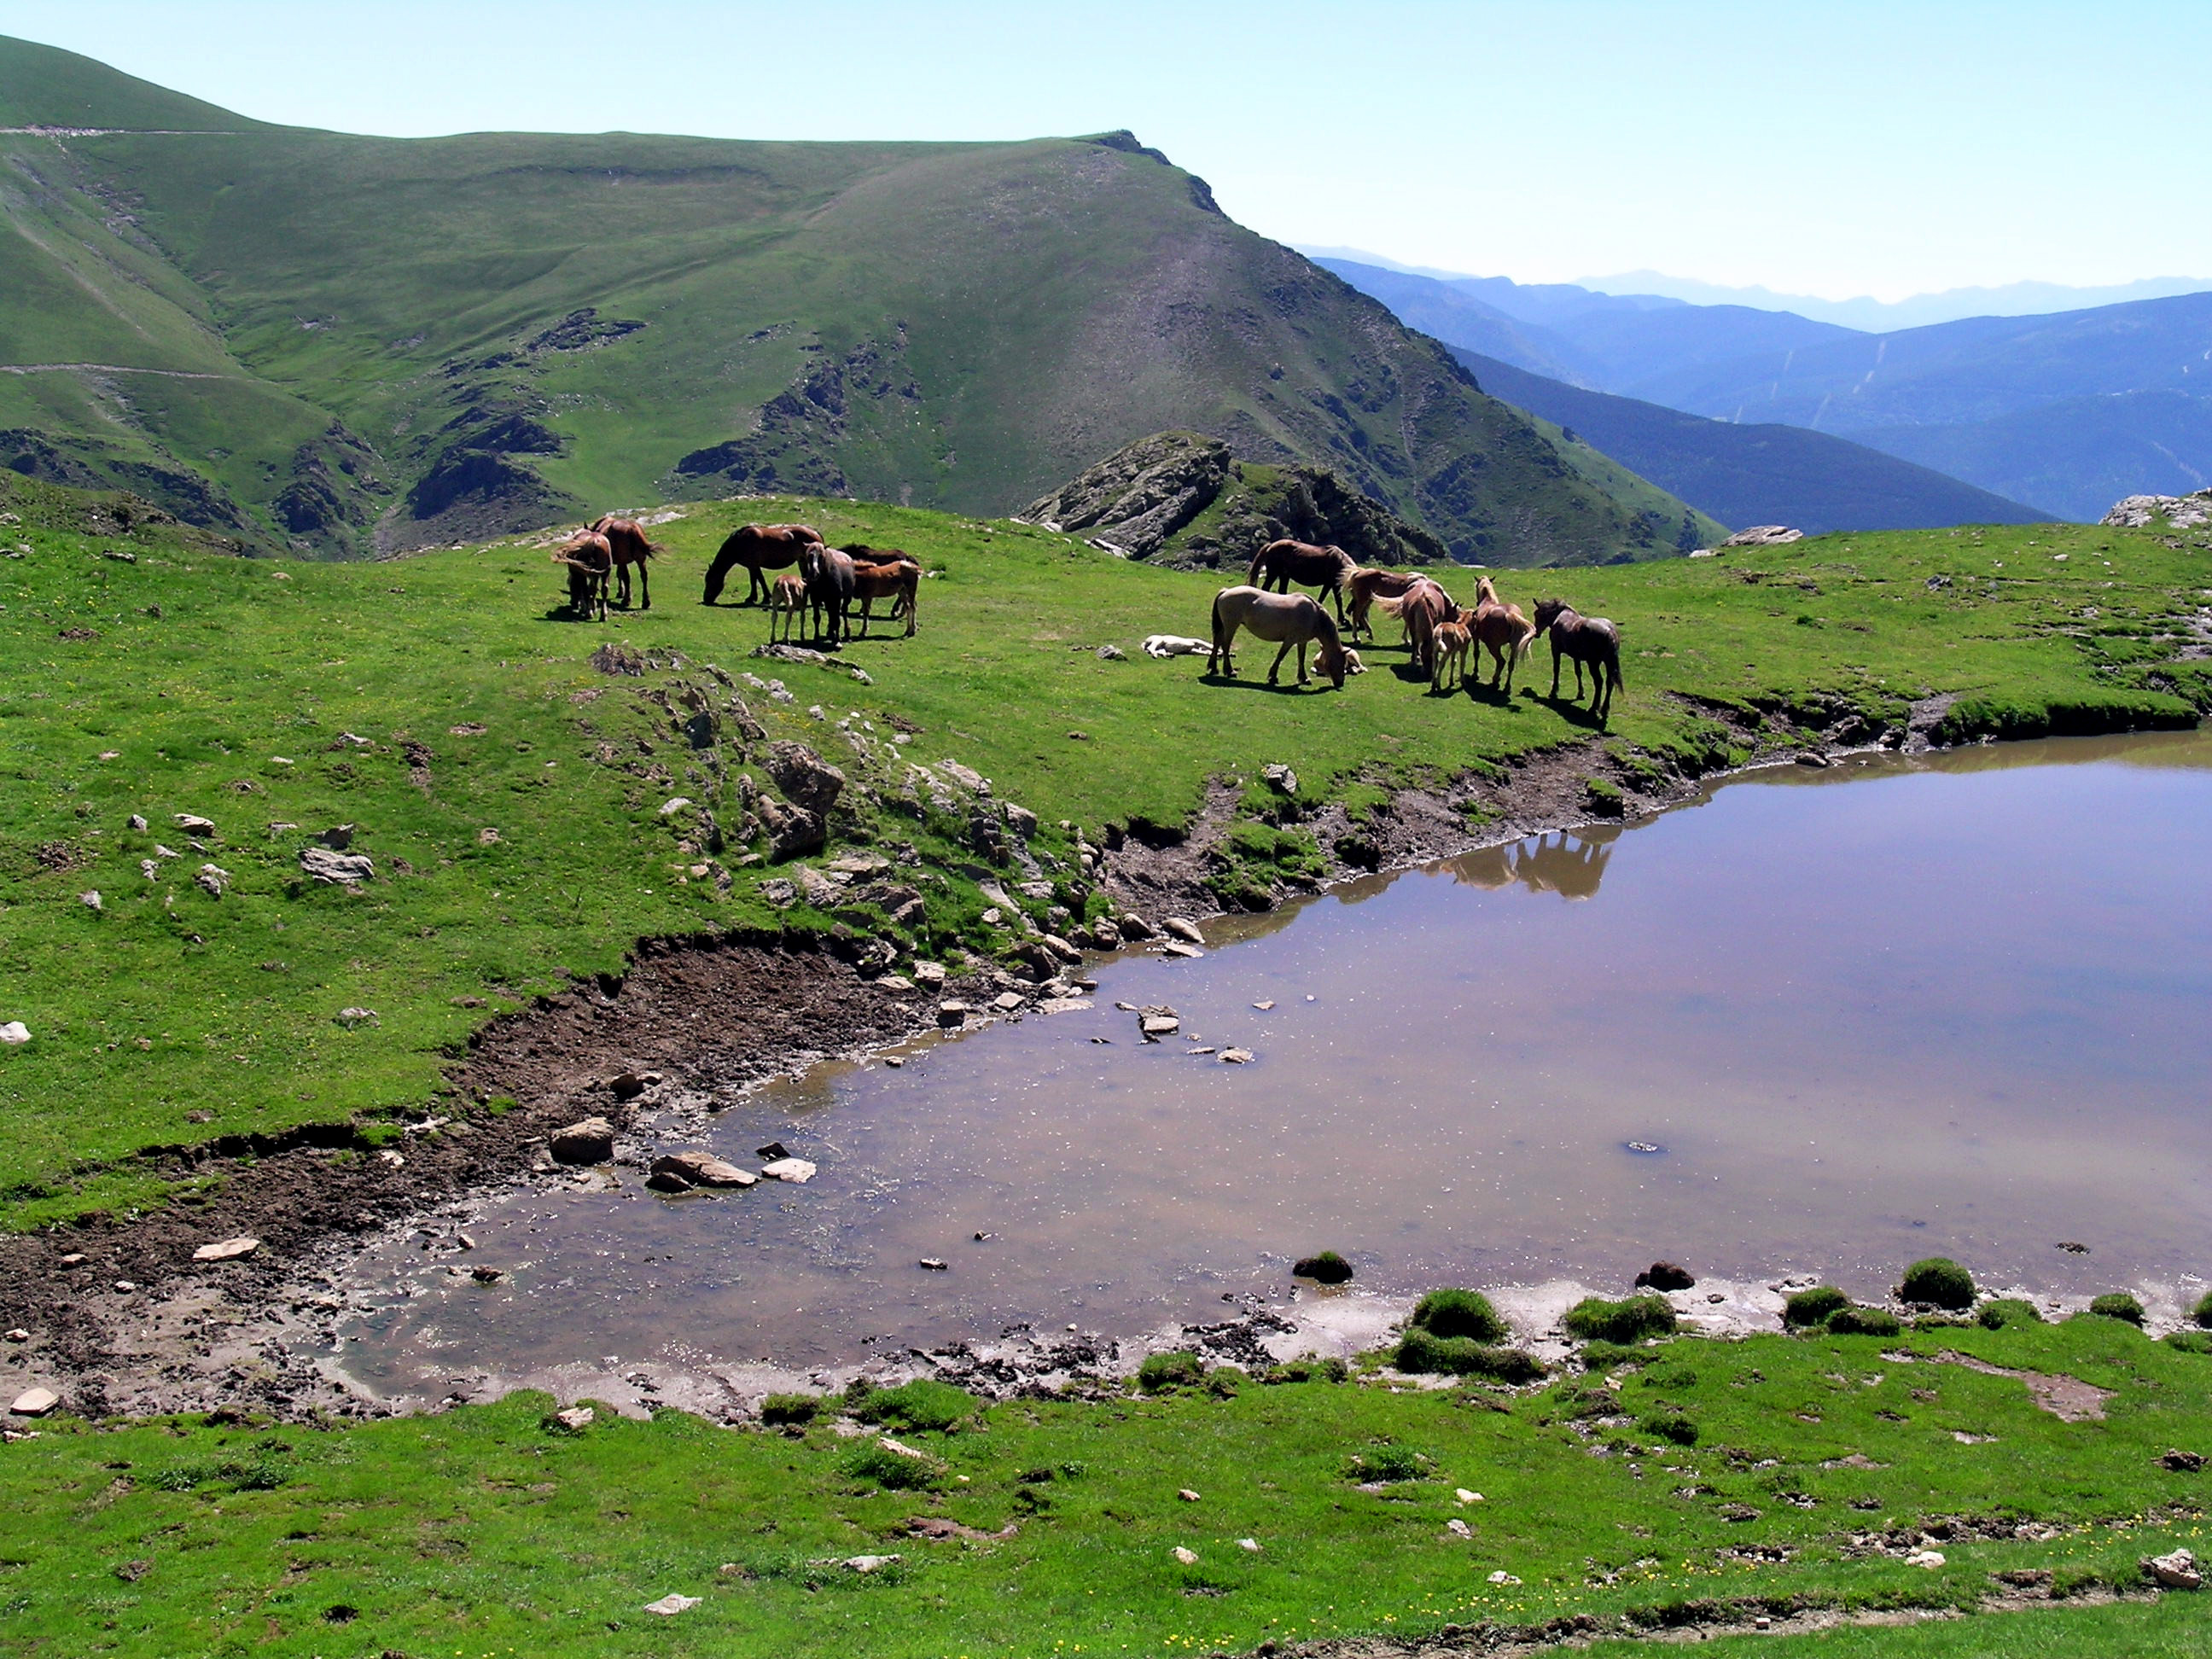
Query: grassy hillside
{"points": [[278, 699], [338, 342], [1747, 474]]}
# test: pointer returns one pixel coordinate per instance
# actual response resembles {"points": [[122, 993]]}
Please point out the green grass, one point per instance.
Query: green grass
{"points": [[478, 1530], [186, 1017]]}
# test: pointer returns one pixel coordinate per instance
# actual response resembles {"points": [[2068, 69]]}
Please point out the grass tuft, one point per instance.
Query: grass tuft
{"points": [[1596, 1319], [1939, 1280], [1460, 1313], [2118, 1304]]}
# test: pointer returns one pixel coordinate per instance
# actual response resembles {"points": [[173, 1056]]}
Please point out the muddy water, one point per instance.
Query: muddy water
{"points": [[1821, 1021]]}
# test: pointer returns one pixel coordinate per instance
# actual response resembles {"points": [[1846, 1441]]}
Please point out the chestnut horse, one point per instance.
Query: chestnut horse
{"points": [[1278, 564], [1368, 584], [884, 573], [1501, 629], [1580, 639], [589, 560], [758, 547], [1421, 607], [1452, 642], [787, 601], [1287, 619], [626, 537]]}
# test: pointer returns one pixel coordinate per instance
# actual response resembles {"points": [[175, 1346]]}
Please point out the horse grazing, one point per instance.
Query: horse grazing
{"points": [[1421, 607], [626, 537], [1581, 639], [1287, 619], [785, 600], [758, 547], [1501, 629], [829, 576], [589, 560], [885, 573], [1368, 584], [1452, 640], [1278, 564]]}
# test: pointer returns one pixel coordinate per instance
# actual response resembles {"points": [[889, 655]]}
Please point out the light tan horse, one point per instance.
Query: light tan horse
{"points": [[1451, 642], [1501, 629], [1421, 607], [1283, 619], [1370, 583], [787, 601]]}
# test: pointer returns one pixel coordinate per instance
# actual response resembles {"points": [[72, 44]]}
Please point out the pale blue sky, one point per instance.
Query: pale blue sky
{"points": [[1827, 149]]}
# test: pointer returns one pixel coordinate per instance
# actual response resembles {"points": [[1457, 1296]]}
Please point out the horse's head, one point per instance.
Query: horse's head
{"points": [[1337, 660], [1549, 611], [1486, 591]]}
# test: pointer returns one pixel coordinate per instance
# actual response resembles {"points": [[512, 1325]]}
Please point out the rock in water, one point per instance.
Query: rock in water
{"points": [[1327, 1268], [704, 1169], [1664, 1276], [1183, 928], [588, 1140], [796, 1171]]}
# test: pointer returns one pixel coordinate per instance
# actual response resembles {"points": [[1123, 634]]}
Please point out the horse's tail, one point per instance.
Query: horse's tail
{"points": [[1217, 625], [1252, 576], [1527, 642]]}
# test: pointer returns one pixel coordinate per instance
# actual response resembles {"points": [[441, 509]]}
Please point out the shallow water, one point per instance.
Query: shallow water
{"points": [[1953, 1004]]}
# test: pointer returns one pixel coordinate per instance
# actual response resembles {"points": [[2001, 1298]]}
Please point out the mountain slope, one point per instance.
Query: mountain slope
{"points": [[341, 341], [1744, 474]]}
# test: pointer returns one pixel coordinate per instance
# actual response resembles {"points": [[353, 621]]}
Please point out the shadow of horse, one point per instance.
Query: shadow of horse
{"points": [[1573, 712], [1317, 684]]}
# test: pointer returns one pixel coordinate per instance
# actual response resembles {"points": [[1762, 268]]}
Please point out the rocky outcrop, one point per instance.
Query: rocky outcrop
{"points": [[1765, 535], [2180, 512], [1182, 498]]}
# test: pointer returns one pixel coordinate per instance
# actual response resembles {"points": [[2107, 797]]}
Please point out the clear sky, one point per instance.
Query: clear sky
{"points": [[1825, 147]]}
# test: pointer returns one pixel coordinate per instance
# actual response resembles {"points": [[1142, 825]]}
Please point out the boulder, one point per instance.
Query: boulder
{"points": [[663, 1180], [588, 1140], [1183, 928], [1765, 535], [796, 1171], [35, 1402], [192, 824], [1236, 1056], [952, 1015], [15, 1031], [1133, 926], [930, 975], [806, 780], [2177, 1570], [790, 830], [2180, 511], [1664, 1276], [1155, 1026], [228, 1249], [1281, 777], [704, 1169], [336, 869], [1189, 1558], [1178, 949], [628, 1086]]}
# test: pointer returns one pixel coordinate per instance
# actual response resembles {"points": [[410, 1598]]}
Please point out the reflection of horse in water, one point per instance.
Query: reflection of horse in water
{"points": [[1570, 866]]}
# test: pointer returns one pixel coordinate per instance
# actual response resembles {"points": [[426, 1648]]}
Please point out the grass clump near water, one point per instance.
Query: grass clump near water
{"points": [[1596, 1319], [2202, 1313], [790, 1410], [1995, 1315], [1812, 1308], [1327, 1268], [923, 1406], [2118, 1304], [1161, 1372], [1460, 1313], [1939, 1280], [1858, 1320], [1422, 1352]]}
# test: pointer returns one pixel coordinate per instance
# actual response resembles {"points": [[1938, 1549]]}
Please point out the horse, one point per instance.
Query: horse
{"points": [[1368, 584], [589, 560], [626, 537], [758, 547], [1452, 642], [829, 576], [881, 573], [1421, 607], [1501, 629], [787, 599], [1284, 562], [1581, 639], [1287, 619]]}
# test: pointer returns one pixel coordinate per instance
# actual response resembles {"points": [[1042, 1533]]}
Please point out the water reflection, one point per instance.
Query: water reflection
{"points": [[1569, 864]]}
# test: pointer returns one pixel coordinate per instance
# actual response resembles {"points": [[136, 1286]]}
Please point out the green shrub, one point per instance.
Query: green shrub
{"points": [[1424, 1354], [1671, 1425], [790, 1409], [2189, 1341], [2202, 1313], [1309, 1370], [2118, 1304], [1162, 1371], [1387, 1463], [1938, 1279], [924, 1405], [1327, 1268], [1863, 1322], [1460, 1313], [2008, 1311], [893, 1470], [1596, 1319], [1813, 1307]]}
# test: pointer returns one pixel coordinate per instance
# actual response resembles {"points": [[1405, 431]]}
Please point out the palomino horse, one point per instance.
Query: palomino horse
{"points": [[829, 582], [758, 547], [1581, 639], [589, 560], [1285, 619], [1501, 629], [1368, 584], [1451, 643], [1421, 607], [884, 573], [626, 537], [1278, 564], [786, 601]]}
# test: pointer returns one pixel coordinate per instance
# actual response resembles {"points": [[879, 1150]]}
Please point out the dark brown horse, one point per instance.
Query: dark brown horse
{"points": [[1278, 564], [830, 583], [589, 560], [885, 573], [758, 547], [626, 537], [1580, 639], [1368, 584]]}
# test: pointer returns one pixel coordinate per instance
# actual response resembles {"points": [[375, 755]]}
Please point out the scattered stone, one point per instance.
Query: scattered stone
{"points": [[670, 808], [953, 1014], [1665, 1276], [1281, 777], [1930, 1559], [893, 1061], [339, 836], [2177, 1570], [1814, 757], [35, 1402], [1765, 535], [336, 869], [1189, 1558], [669, 1605], [193, 825], [1186, 1495], [667, 1181], [1186, 931], [936, 1265], [1237, 1056], [395, 1159], [1459, 1529], [774, 1149], [15, 1031], [487, 1274], [930, 975], [350, 740], [1134, 926], [90, 899], [2073, 1247], [138, 821], [228, 1249], [1155, 1026], [75, 1259], [870, 1563], [1466, 1497], [19, 1335], [704, 1169], [1007, 1001], [126, 1287], [576, 1418], [1181, 952], [2182, 1462], [1251, 1544], [796, 1171], [350, 1017], [212, 879], [1503, 1577], [1112, 653], [587, 1140], [1327, 1268], [628, 1086]]}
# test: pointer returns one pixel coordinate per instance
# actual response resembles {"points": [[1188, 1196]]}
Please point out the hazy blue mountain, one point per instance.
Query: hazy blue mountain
{"points": [[1746, 475], [1918, 311], [1458, 319]]}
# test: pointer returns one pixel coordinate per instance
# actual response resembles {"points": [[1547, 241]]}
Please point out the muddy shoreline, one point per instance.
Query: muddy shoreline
{"points": [[119, 1318]]}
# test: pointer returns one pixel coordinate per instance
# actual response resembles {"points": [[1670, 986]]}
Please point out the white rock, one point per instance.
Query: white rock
{"points": [[1236, 1056], [15, 1031], [1251, 1544], [1930, 1559], [670, 808], [796, 1171], [576, 1418], [1186, 1495], [1159, 1025], [1502, 1577], [929, 975], [2176, 1571], [870, 1562], [1177, 948], [1467, 1497], [228, 1249], [350, 1017], [669, 1605], [1459, 1529], [1182, 929], [1189, 1558], [192, 824], [35, 1402], [90, 899]]}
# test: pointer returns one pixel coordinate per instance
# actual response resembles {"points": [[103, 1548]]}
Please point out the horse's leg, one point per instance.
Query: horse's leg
{"points": [[644, 583], [1276, 667], [1578, 680]]}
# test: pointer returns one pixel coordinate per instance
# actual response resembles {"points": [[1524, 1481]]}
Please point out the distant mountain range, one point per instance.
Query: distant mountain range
{"points": [[2064, 412]]}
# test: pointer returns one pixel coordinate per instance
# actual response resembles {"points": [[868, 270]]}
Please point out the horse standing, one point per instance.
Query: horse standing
{"points": [[1501, 629], [829, 582], [1285, 619], [1452, 642], [1279, 563], [787, 601], [885, 573], [1580, 639], [758, 547], [589, 559], [1421, 607], [1368, 584], [626, 539]]}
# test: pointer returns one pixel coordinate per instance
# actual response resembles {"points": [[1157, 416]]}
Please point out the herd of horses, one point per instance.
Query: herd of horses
{"points": [[1444, 639]]}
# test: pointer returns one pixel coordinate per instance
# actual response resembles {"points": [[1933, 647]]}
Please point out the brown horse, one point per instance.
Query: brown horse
{"points": [[627, 538], [589, 560], [758, 547], [1580, 639], [885, 573], [1451, 640], [1421, 607], [830, 583], [787, 601], [1501, 629], [1287, 619], [1368, 584], [1278, 564]]}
